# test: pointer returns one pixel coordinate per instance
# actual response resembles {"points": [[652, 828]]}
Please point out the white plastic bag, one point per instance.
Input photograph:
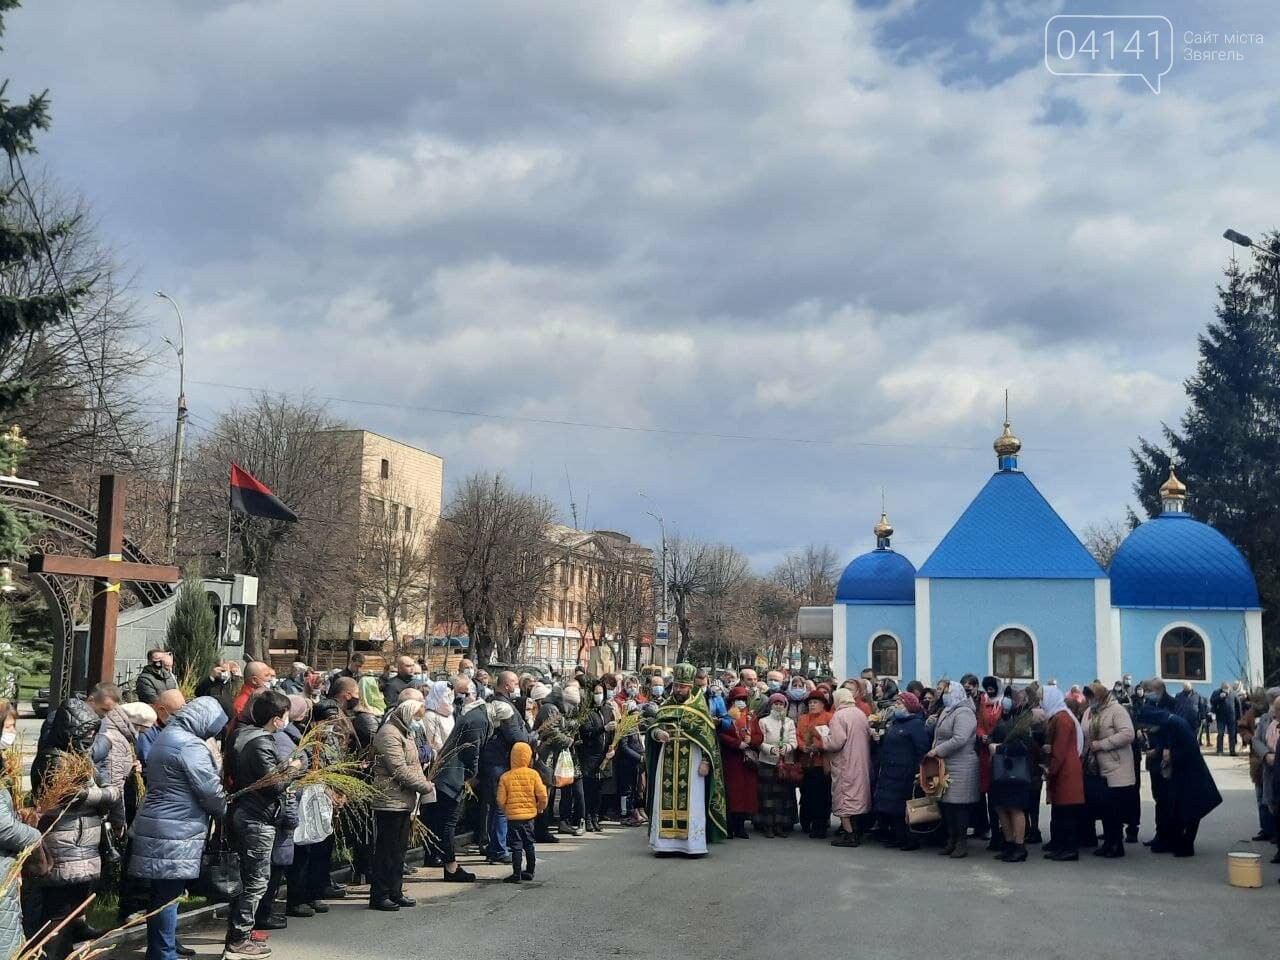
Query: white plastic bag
{"points": [[315, 815]]}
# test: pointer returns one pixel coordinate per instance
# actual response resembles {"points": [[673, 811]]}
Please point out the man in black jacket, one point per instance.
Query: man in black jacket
{"points": [[1224, 705], [461, 753], [155, 678], [1158, 754], [403, 680], [251, 758], [495, 760]]}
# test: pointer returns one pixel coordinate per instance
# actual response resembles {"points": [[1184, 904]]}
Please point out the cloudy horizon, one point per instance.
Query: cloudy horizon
{"points": [[759, 260]]}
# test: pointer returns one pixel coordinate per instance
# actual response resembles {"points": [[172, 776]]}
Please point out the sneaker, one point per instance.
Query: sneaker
{"points": [[245, 950]]}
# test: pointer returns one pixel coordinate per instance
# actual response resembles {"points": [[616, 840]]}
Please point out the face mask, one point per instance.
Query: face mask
{"points": [[419, 677], [991, 694], [222, 675], [598, 698], [1152, 699], [774, 686], [901, 713], [779, 712], [468, 673], [157, 665], [1006, 704], [416, 726], [740, 704], [797, 693], [657, 691], [631, 693], [8, 737]]}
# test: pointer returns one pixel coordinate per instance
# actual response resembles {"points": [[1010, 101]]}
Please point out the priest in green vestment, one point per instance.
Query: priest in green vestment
{"points": [[685, 781]]}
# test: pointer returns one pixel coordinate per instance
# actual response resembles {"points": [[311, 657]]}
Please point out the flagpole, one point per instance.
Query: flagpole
{"points": [[226, 557]]}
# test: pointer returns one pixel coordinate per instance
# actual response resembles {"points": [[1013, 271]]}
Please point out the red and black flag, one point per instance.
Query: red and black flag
{"points": [[250, 496]]}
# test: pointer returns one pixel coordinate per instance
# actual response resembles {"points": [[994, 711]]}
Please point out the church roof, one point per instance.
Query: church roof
{"points": [[1176, 562], [1009, 532], [880, 576]]}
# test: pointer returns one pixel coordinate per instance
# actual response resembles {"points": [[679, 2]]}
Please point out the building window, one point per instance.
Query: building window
{"points": [[1182, 655], [408, 519], [376, 507], [385, 471], [394, 515], [884, 656], [370, 608], [1013, 655]]}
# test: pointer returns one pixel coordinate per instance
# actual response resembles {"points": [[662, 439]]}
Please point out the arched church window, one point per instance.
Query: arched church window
{"points": [[884, 656], [1013, 655], [1182, 655]]}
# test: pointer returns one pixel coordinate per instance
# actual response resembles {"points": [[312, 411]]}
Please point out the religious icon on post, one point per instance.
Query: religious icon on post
{"points": [[231, 636]]}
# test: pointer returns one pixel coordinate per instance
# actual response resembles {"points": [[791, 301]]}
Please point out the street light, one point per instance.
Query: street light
{"points": [[179, 434], [1273, 252], [662, 526]]}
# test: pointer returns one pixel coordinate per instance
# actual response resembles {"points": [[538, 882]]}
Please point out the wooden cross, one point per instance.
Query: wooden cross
{"points": [[108, 569]]}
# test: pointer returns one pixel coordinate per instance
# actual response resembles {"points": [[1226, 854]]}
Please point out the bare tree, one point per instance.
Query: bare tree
{"points": [[281, 442], [90, 415], [1104, 539], [619, 600], [808, 577], [495, 557], [397, 537], [704, 582]]}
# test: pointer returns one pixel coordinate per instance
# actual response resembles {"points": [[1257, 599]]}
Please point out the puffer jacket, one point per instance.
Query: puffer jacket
{"points": [[119, 736], [183, 792], [397, 772], [282, 850], [521, 793], [73, 838], [1112, 745], [250, 758], [15, 836], [151, 683], [460, 755]]}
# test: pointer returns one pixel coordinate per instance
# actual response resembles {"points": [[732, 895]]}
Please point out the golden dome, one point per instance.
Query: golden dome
{"points": [[884, 529], [1173, 488], [1007, 444]]}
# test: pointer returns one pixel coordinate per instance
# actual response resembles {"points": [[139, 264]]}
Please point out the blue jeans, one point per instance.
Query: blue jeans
{"points": [[496, 827], [162, 929]]}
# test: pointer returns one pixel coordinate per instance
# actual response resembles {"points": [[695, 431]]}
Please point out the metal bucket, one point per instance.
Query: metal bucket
{"points": [[1244, 869]]}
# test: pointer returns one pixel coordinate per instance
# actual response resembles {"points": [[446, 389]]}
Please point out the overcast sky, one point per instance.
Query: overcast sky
{"points": [[783, 253]]}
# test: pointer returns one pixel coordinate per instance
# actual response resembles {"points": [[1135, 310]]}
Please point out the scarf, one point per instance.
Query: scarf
{"points": [[371, 696], [1273, 734], [440, 698], [1054, 703]]}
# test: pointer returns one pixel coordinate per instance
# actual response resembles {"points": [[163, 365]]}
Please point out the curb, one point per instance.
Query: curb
{"points": [[193, 918]]}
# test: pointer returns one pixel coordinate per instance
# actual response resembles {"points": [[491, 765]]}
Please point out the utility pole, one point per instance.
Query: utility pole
{"points": [[179, 433], [662, 527]]}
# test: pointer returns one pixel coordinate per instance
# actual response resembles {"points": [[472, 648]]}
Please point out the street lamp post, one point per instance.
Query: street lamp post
{"points": [[1272, 253], [662, 527], [179, 433]]}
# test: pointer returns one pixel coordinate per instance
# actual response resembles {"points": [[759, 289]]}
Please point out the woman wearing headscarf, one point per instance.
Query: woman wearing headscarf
{"points": [[371, 699], [953, 741], [1064, 743], [815, 789], [847, 741], [437, 723], [1192, 792], [1110, 735], [739, 743], [990, 707], [1014, 753], [902, 746], [402, 786], [777, 744]]}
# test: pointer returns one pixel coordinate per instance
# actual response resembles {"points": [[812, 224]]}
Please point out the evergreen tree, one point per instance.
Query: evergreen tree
{"points": [[192, 635], [1228, 447], [20, 316]]}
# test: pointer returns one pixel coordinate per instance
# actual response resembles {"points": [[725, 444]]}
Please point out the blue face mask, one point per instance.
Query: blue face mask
{"points": [[416, 726], [774, 686], [657, 691], [1007, 704], [901, 713], [797, 693], [1152, 699]]}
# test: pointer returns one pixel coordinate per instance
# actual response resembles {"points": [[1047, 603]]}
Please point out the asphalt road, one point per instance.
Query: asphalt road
{"points": [[607, 897]]}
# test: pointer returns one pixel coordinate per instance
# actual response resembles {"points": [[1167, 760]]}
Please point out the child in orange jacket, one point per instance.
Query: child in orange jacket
{"points": [[522, 796]]}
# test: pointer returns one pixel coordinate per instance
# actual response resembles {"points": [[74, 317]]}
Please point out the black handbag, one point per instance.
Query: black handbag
{"points": [[107, 849], [1011, 769], [219, 880]]}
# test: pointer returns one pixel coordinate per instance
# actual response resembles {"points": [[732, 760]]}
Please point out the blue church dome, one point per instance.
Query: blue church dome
{"points": [[1176, 562], [880, 576]]}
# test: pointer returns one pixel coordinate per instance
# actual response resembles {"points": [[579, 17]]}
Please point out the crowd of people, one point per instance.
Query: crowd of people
{"points": [[689, 755]]}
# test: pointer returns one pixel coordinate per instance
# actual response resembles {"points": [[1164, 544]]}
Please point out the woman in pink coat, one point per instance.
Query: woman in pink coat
{"points": [[848, 743]]}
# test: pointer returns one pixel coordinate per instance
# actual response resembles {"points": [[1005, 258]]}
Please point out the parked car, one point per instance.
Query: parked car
{"points": [[40, 703]]}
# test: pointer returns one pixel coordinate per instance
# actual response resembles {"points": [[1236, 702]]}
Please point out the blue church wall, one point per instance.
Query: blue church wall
{"points": [[865, 620], [1223, 632], [1060, 615]]}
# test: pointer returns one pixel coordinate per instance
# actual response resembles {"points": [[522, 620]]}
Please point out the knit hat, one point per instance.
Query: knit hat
{"points": [[539, 691], [843, 695], [739, 693], [141, 715], [572, 695], [778, 698], [911, 702]]}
